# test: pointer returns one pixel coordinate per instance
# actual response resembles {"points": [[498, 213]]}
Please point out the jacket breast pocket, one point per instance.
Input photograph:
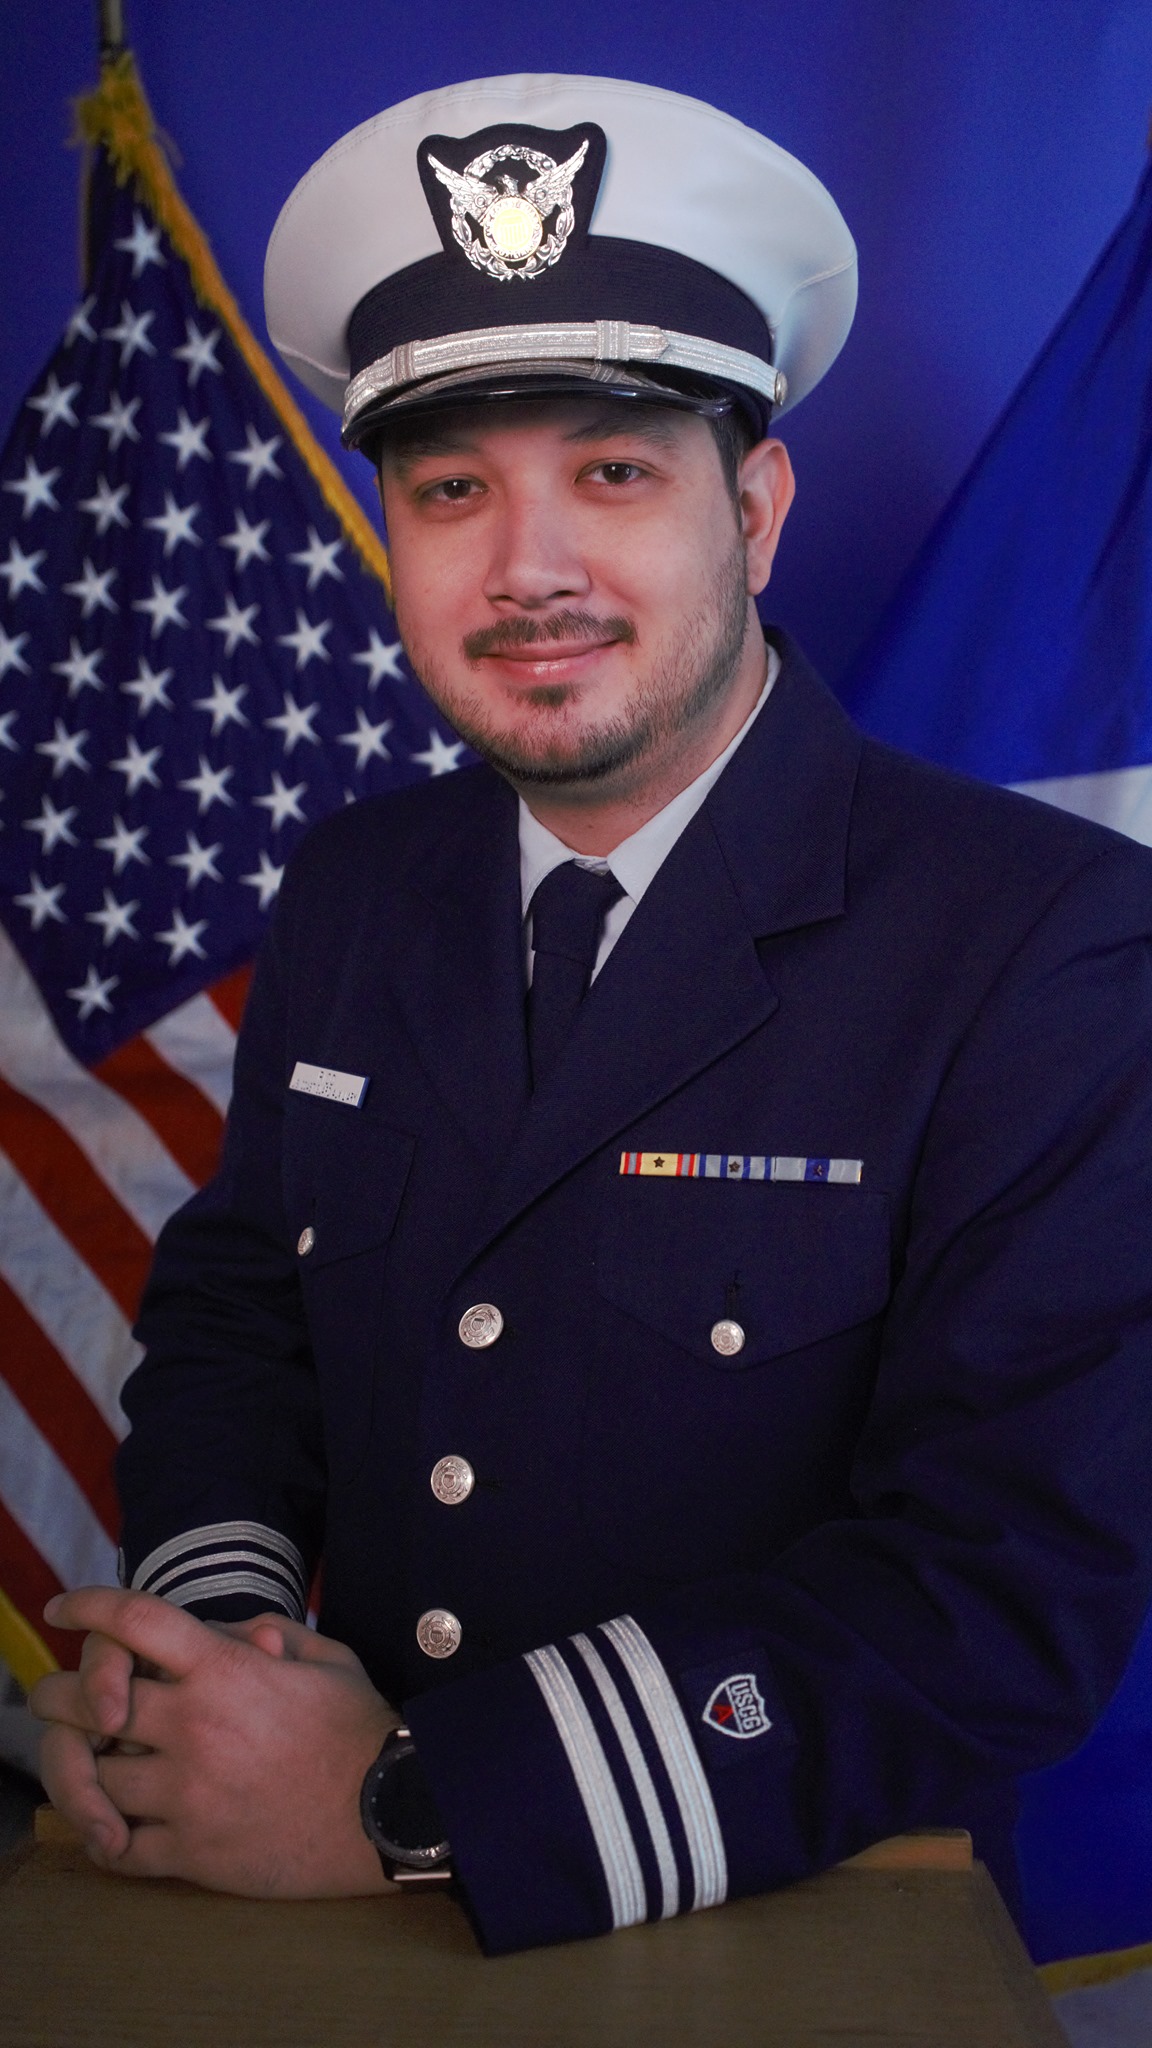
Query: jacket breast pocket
{"points": [[702, 1456], [345, 1172], [790, 1264]]}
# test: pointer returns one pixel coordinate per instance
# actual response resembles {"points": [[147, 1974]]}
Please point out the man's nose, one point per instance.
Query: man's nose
{"points": [[535, 560]]}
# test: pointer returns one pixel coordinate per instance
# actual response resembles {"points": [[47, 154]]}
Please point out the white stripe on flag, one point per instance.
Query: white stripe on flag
{"points": [[64, 1296], [42, 1496], [1120, 797], [197, 1041], [124, 1150]]}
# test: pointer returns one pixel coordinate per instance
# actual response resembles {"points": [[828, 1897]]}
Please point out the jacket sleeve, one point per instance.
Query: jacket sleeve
{"points": [[969, 1621], [222, 1477]]}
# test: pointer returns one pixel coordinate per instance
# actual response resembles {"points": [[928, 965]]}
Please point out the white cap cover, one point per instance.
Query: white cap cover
{"points": [[700, 246]]}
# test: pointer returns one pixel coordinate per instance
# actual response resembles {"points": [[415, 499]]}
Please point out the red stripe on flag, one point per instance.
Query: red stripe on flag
{"points": [[29, 1582], [231, 994], [182, 1118], [79, 1202], [61, 1408]]}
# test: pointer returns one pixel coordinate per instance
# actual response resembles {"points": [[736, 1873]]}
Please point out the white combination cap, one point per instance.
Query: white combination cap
{"points": [[540, 233]]}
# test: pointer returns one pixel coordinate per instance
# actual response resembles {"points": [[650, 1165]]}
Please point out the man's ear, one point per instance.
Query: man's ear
{"points": [[766, 487]]}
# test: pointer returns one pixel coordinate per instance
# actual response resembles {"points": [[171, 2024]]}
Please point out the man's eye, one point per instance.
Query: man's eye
{"points": [[617, 472], [451, 490]]}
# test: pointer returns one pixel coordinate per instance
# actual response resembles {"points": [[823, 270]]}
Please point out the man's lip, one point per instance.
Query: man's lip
{"points": [[547, 651]]}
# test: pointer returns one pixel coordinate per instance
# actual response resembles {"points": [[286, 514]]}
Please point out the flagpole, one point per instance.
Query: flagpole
{"points": [[111, 13]]}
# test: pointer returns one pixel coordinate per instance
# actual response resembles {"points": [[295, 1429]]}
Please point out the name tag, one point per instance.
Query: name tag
{"points": [[329, 1083]]}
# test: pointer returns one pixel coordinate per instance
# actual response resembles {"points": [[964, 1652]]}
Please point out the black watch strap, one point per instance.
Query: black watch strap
{"points": [[401, 1819]]}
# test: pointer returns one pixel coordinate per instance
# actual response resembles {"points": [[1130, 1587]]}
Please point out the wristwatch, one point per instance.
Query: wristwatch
{"points": [[400, 1817]]}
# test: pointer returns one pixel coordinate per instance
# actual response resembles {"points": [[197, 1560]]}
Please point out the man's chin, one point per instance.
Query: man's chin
{"points": [[588, 767], [547, 749]]}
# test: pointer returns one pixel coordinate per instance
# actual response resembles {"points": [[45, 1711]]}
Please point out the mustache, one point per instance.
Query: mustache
{"points": [[505, 634]]}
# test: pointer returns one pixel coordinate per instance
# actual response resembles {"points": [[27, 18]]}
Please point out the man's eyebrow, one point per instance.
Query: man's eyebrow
{"points": [[646, 422], [414, 449]]}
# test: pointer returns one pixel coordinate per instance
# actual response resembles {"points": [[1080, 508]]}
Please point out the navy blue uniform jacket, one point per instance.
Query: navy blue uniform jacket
{"points": [[725, 1620]]}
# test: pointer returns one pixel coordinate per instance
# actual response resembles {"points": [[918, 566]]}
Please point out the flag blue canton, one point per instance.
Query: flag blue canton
{"points": [[194, 664]]}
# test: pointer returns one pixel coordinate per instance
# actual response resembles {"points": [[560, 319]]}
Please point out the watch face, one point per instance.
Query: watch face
{"points": [[398, 1811]]}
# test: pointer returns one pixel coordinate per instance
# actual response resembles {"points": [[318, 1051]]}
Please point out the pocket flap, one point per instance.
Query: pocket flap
{"points": [[790, 1264], [344, 1176]]}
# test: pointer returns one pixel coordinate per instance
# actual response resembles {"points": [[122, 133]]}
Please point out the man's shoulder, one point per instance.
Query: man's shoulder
{"points": [[978, 837], [847, 819], [901, 798], [946, 800]]}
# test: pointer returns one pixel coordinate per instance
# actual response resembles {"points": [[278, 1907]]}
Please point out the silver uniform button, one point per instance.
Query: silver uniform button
{"points": [[727, 1337], [438, 1633], [306, 1240], [452, 1480], [480, 1325]]}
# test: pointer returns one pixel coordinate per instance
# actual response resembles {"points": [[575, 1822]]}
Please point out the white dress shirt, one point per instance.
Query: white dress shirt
{"points": [[637, 859]]}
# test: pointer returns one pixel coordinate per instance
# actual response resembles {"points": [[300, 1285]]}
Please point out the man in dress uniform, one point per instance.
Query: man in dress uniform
{"points": [[680, 1258]]}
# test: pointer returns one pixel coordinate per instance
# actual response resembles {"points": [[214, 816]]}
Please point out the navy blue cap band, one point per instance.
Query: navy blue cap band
{"points": [[605, 279]]}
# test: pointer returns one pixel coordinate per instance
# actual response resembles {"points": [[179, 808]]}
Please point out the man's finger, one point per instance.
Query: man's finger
{"points": [[135, 1784], [68, 1773], [277, 1636], [150, 1852], [98, 1697], [150, 1726], [267, 1637], [106, 1669], [149, 1627], [61, 1697], [264, 1631], [302, 1645], [57, 1698]]}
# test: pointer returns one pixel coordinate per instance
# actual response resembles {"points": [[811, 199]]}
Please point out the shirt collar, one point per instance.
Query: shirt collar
{"points": [[637, 860]]}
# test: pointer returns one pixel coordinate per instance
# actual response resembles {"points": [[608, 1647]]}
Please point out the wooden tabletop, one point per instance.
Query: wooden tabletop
{"points": [[881, 1952]]}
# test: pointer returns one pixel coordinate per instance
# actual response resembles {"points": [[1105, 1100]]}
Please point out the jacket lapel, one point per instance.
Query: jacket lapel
{"points": [[459, 978], [765, 854]]}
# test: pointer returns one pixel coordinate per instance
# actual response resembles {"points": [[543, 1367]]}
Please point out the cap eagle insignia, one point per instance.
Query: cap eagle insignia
{"points": [[511, 221]]}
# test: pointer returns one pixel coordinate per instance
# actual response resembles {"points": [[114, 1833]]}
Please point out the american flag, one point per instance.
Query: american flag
{"points": [[196, 663]]}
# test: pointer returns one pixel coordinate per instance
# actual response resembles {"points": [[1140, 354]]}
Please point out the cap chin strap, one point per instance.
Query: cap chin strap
{"points": [[594, 341]]}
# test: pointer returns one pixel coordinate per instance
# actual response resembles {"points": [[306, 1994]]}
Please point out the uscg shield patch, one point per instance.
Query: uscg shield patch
{"points": [[737, 1708]]}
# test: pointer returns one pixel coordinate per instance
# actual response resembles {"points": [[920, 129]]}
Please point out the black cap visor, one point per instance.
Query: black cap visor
{"points": [[505, 383]]}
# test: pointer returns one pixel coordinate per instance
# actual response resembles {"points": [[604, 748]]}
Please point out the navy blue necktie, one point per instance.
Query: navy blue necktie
{"points": [[568, 912]]}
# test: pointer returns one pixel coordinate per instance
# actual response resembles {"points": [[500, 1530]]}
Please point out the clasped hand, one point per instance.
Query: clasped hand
{"points": [[229, 1754]]}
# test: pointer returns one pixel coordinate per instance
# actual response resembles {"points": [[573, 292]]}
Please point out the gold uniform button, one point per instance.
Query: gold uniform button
{"points": [[305, 1241], [480, 1325], [452, 1480], [438, 1633], [727, 1337]]}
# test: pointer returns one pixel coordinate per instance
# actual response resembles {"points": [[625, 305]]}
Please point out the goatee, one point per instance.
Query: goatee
{"points": [[687, 680]]}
